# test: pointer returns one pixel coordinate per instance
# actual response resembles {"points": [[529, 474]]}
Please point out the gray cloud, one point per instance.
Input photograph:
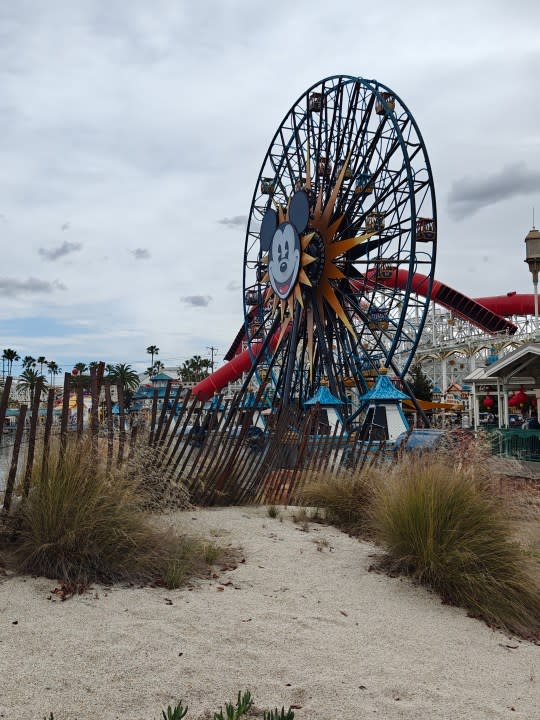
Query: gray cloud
{"points": [[66, 248], [469, 195], [140, 254], [197, 300], [234, 286], [10, 287], [235, 221]]}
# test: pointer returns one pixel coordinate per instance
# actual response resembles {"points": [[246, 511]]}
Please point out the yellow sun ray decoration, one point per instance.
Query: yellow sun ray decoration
{"points": [[324, 225]]}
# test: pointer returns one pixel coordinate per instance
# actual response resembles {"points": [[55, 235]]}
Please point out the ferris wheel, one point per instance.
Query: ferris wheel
{"points": [[342, 224]]}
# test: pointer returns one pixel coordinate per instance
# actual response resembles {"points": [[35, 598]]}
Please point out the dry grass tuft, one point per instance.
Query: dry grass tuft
{"points": [[82, 524], [346, 500], [445, 528]]}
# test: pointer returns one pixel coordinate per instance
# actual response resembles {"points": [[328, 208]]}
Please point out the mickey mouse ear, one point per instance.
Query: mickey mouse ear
{"points": [[268, 228], [299, 210]]}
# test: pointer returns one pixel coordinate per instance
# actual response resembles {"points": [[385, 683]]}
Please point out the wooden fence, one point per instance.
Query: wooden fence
{"points": [[227, 451]]}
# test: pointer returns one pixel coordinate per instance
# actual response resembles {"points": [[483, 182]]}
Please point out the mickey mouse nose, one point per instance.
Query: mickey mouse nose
{"points": [[283, 267]]}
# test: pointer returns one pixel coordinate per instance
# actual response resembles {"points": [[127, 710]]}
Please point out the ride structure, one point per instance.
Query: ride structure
{"points": [[343, 209]]}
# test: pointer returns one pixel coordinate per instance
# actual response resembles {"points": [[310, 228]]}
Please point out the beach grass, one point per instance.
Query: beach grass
{"points": [[440, 519], [346, 499], [83, 523]]}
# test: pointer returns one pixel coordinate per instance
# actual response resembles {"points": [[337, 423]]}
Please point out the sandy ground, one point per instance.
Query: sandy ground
{"points": [[302, 621]]}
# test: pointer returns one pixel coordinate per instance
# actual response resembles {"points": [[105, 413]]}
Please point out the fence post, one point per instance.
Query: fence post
{"points": [[4, 401], [32, 437], [14, 459], [65, 413], [48, 425]]}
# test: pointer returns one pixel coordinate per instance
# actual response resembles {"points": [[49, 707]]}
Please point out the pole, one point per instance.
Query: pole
{"points": [[212, 351], [535, 285]]}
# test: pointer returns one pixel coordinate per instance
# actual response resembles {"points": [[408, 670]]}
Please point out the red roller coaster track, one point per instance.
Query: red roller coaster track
{"points": [[487, 313]]}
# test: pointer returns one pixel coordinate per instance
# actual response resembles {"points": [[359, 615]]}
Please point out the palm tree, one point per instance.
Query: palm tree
{"points": [[124, 375], [80, 367], [28, 381], [53, 370], [41, 361], [28, 362], [195, 369], [10, 356], [152, 350]]}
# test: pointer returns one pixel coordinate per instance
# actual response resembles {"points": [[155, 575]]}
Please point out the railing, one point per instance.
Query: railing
{"points": [[517, 443]]}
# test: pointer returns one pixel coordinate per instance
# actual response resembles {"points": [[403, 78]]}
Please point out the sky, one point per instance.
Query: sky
{"points": [[132, 134]]}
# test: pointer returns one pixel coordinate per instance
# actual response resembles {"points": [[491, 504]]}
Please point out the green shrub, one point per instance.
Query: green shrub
{"points": [[81, 523], [447, 531]]}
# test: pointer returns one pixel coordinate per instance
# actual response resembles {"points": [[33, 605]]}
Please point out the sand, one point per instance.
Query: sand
{"points": [[301, 622]]}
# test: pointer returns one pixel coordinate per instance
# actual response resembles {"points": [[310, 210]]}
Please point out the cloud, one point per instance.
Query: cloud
{"points": [[140, 254], [10, 287], [469, 195], [65, 248], [234, 286], [197, 300], [235, 221]]}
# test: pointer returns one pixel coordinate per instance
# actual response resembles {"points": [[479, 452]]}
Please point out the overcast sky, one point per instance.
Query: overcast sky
{"points": [[132, 134]]}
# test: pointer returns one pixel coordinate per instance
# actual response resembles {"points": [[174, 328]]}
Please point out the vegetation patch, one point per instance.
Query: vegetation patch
{"points": [[441, 520], [447, 530], [346, 500], [82, 523]]}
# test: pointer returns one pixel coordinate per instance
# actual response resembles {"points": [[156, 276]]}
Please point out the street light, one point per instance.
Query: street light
{"points": [[532, 246]]}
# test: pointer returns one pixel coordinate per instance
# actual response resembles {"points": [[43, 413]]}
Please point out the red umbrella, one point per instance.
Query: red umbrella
{"points": [[488, 401]]}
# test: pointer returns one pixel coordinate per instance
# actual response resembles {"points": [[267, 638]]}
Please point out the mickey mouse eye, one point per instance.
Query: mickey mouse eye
{"points": [[279, 252]]}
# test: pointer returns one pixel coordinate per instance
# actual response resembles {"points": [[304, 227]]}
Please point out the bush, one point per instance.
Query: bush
{"points": [[446, 530], [81, 523], [346, 500]]}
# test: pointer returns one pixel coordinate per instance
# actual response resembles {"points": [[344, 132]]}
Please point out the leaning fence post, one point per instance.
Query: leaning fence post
{"points": [[65, 413], [48, 425], [4, 401], [14, 458], [122, 421], [32, 436]]}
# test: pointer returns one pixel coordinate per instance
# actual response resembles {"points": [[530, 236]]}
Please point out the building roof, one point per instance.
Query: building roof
{"points": [[161, 377], [143, 391], [324, 398], [384, 389], [521, 367]]}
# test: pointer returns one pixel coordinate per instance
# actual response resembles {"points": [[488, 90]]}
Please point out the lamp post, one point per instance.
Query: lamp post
{"points": [[532, 249]]}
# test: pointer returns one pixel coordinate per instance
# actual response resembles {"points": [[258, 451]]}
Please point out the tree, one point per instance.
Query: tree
{"points": [[80, 367], [155, 369], [41, 361], [28, 362], [124, 375], [195, 369], [152, 350], [28, 381], [420, 384], [10, 356], [53, 370]]}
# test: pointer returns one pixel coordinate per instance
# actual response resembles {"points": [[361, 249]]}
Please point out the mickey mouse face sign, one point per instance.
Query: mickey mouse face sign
{"points": [[283, 244]]}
